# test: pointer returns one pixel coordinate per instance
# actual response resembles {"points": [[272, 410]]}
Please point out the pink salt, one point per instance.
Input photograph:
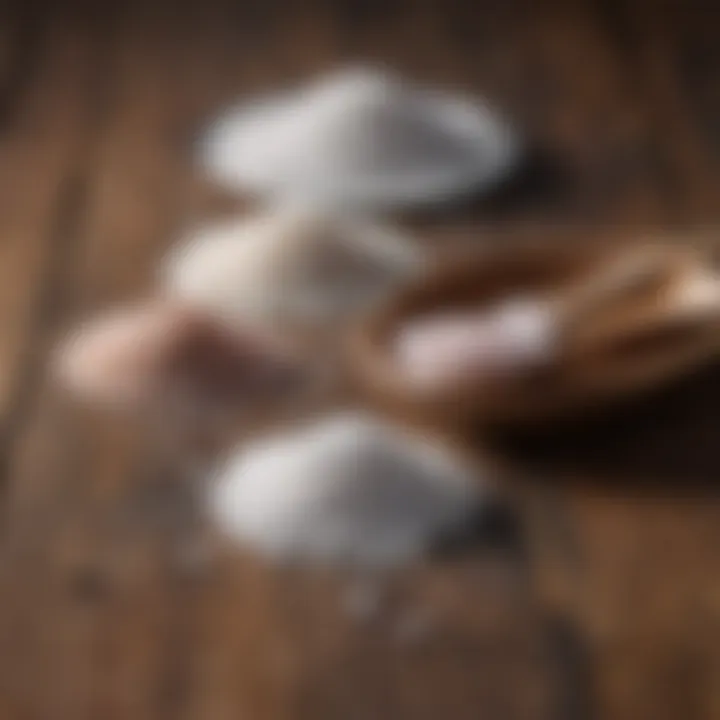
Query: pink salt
{"points": [[443, 349]]}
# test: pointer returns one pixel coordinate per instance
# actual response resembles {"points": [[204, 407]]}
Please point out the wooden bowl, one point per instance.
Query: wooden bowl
{"points": [[615, 341]]}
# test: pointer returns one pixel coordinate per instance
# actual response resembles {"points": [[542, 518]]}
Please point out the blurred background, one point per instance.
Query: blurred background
{"points": [[111, 604]]}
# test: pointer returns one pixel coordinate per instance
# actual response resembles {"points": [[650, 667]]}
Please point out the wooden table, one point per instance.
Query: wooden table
{"points": [[108, 608]]}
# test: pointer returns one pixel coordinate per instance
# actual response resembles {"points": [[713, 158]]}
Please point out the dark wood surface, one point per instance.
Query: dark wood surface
{"points": [[109, 607]]}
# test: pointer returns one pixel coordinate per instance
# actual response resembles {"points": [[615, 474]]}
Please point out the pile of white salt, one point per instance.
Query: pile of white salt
{"points": [[346, 489], [361, 137], [294, 266]]}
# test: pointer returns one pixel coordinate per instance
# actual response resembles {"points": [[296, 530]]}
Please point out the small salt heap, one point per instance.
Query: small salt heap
{"points": [[361, 137], [345, 489], [151, 353], [447, 349], [292, 267]]}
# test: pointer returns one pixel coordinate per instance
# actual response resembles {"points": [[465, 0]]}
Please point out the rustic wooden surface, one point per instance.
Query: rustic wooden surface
{"points": [[108, 607]]}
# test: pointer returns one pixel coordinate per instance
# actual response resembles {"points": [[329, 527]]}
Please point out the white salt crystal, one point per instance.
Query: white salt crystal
{"points": [[361, 137], [346, 489]]}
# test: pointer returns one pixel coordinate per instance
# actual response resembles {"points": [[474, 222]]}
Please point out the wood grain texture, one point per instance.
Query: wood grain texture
{"points": [[638, 553], [114, 602]]}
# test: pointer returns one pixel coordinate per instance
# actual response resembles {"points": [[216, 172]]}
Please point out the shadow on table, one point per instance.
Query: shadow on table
{"points": [[666, 442]]}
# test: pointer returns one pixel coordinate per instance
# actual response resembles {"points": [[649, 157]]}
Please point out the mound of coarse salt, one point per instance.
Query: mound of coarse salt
{"points": [[292, 267], [151, 353], [361, 137], [348, 489], [446, 349]]}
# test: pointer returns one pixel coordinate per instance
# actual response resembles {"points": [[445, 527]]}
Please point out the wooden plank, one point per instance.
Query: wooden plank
{"points": [[70, 473], [44, 146], [18, 54], [632, 564], [636, 563], [643, 594], [658, 41], [591, 158], [36, 158]]}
